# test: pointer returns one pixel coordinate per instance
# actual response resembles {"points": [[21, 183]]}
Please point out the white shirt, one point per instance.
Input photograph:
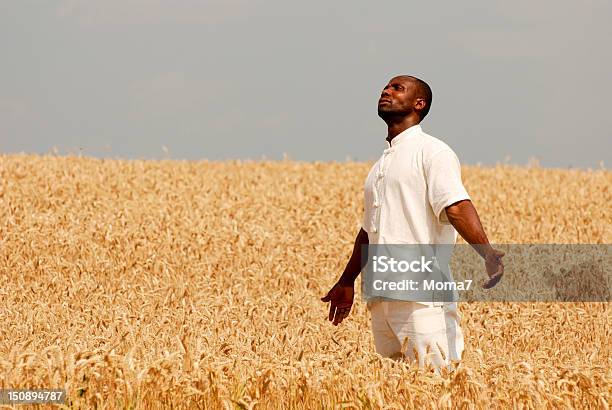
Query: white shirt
{"points": [[408, 188], [406, 192]]}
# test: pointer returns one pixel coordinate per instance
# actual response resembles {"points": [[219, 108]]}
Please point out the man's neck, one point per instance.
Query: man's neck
{"points": [[396, 128]]}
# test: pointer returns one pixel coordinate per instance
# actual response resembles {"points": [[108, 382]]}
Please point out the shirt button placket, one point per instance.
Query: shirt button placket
{"points": [[379, 189]]}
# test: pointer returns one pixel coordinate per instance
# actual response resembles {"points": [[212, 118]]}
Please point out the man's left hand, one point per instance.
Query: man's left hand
{"points": [[495, 268]]}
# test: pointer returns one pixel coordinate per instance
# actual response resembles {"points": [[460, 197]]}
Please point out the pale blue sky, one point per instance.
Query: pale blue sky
{"points": [[244, 79]]}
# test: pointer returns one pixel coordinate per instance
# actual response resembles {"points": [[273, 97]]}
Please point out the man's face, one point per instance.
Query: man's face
{"points": [[397, 98]]}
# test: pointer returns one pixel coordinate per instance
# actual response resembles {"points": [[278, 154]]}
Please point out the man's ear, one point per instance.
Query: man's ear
{"points": [[420, 104]]}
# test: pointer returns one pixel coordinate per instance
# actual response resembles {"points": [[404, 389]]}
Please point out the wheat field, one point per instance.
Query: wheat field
{"points": [[176, 284]]}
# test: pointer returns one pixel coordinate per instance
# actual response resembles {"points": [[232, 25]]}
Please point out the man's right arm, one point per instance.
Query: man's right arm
{"points": [[354, 266], [342, 293]]}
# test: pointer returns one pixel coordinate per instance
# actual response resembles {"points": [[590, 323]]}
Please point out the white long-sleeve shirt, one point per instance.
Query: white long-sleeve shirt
{"points": [[408, 188]]}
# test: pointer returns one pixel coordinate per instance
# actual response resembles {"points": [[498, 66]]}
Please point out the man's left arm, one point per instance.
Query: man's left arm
{"points": [[464, 218], [452, 205]]}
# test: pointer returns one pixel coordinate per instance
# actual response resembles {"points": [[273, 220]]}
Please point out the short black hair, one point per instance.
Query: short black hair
{"points": [[423, 91]]}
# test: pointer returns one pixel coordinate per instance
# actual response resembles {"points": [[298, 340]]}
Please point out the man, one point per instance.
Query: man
{"points": [[413, 195]]}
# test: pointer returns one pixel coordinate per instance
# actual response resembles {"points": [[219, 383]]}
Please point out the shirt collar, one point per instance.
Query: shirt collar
{"points": [[404, 135]]}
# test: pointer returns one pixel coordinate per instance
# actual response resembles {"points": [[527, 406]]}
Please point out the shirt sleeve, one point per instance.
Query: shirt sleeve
{"points": [[444, 186], [364, 224]]}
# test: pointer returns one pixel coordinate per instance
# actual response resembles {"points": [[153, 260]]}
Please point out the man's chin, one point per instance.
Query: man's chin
{"points": [[384, 112]]}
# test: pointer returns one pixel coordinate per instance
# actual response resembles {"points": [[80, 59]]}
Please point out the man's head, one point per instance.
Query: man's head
{"points": [[404, 96]]}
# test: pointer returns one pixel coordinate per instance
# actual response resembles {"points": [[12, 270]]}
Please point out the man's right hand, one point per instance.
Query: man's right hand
{"points": [[341, 298]]}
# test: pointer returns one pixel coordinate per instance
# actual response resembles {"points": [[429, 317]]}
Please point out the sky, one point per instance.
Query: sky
{"points": [[253, 79]]}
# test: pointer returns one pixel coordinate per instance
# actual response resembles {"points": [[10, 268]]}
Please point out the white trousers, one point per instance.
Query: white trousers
{"points": [[431, 335]]}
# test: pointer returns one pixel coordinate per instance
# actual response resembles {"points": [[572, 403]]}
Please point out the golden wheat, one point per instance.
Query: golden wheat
{"points": [[155, 284]]}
